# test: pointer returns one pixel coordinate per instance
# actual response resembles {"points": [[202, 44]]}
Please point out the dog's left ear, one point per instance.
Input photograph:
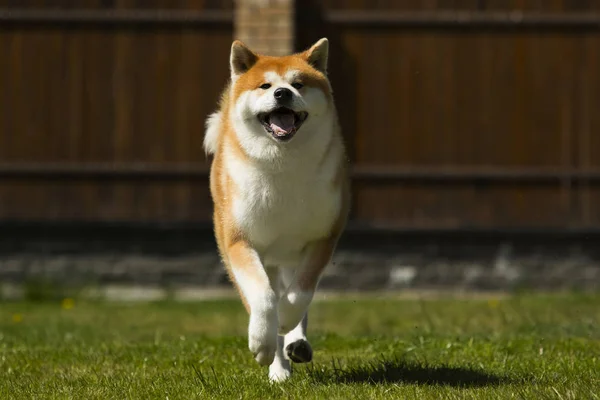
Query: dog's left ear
{"points": [[317, 55]]}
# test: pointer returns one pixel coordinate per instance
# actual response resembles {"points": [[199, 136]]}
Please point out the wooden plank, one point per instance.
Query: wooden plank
{"points": [[161, 171], [443, 207], [108, 96], [95, 18], [464, 20]]}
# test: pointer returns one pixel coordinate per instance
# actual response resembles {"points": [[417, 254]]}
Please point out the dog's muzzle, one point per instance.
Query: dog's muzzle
{"points": [[282, 123]]}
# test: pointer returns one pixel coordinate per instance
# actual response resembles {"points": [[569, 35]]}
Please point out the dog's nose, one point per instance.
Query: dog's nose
{"points": [[283, 94]]}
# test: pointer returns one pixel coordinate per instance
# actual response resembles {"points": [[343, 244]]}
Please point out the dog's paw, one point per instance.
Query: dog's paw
{"points": [[292, 308], [279, 372], [264, 354], [299, 351], [262, 339], [263, 349]]}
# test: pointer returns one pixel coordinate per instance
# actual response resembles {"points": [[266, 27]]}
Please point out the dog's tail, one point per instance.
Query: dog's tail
{"points": [[214, 122], [211, 136]]}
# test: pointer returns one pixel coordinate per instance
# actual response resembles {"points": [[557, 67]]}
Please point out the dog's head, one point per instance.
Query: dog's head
{"points": [[278, 98]]}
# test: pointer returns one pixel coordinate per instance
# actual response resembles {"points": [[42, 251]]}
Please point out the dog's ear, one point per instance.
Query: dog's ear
{"points": [[241, 58], [317, 55]]}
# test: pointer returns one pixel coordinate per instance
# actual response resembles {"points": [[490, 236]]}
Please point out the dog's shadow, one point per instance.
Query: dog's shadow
{"points": [[390, 371]]}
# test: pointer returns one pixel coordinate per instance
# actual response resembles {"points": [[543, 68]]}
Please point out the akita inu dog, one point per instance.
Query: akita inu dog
{"points": [[280, 191]]}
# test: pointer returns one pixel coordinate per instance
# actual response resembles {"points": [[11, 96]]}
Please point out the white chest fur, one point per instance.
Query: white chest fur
{"points": [[280, 212]]}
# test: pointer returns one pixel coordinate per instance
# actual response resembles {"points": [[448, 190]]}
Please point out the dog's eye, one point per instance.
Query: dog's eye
{"points": [[297, 85], [265, 86]]}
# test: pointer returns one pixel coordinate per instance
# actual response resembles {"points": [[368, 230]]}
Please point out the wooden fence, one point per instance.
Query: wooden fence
{"points": [[99, 104], [485, 116]]}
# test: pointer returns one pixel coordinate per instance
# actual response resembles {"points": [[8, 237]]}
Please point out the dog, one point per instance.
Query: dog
{"points": [[280, 189]]}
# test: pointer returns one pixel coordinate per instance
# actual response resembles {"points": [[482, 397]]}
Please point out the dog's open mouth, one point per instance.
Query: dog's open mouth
{"points": [[282, 123]]}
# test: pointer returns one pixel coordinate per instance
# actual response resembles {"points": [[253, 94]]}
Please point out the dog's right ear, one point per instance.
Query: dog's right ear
{"points": [[241, 58]]}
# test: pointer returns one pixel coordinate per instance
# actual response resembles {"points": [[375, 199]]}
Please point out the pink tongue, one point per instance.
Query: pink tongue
{"points": [[282, 123]]}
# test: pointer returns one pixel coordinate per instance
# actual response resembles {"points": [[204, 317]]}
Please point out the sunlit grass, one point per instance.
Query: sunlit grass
{"points": [[528, 346]]}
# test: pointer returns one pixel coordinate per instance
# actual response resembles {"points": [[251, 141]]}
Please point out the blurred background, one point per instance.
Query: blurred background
{"points": [[472, 128]]}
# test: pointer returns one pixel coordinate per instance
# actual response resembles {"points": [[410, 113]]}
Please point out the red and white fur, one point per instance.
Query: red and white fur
{"points": [[280, 192]]}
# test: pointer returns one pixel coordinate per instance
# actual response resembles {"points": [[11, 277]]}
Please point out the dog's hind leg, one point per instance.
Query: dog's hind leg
{"points": [[295, 344], [295, 347], [302, 283], [280, 369]]}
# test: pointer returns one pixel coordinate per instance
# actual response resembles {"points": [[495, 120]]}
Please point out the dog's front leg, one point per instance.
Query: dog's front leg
{"points": [[259, 297], [294, 303]]}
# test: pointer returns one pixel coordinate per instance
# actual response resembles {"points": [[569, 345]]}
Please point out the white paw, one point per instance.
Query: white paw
{"points": [[292, 308], [279, 373], [262, 338]]}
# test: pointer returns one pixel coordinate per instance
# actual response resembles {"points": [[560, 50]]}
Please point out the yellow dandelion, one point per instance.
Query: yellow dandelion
{"points": [[493, 303], [17, 318], [67, 303]]}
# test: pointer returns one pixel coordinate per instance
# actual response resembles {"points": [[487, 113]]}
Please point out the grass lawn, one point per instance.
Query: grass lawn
{"points": [[526, 346]]}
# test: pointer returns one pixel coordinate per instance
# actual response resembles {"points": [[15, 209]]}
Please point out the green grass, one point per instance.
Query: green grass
{"points": [[526, 346]]}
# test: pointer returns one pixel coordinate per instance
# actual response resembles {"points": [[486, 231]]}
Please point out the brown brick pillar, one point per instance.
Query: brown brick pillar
{"points": [[266, 26]]}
